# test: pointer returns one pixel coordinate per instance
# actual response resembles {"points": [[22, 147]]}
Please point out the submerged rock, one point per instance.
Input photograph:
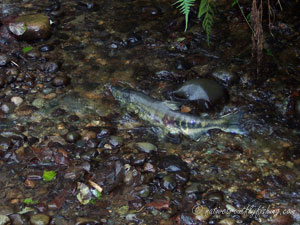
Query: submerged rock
{"points": [[31, 27], [199, 90]]}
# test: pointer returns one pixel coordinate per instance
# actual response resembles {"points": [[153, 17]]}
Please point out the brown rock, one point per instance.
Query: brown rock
{"points": [[31, 27]]}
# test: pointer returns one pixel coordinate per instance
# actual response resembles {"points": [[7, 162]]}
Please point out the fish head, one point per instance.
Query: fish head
{"points": [[121, 94]]}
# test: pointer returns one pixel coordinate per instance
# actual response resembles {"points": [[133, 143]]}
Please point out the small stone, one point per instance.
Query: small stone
{"points": [[3, 59], [115, 141], [168, 183], [282, 220], [39, 103], [89, 135], [61, 81], [201, 213], [46, 48], [173, 163], [2, 82], [72, 137], [6, 210], [16, 100], [224, 76], [7, 107], [49, 67], [227, 221], [146, 147], [148, 167], [4, 220], [39, 219], [25, 110]]}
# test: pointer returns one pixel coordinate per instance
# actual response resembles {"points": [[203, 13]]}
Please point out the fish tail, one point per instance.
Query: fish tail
{"points": [[233, 124]]}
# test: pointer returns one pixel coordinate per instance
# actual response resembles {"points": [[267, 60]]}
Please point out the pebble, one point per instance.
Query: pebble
{"points": [[227, 221], [146, 147], [16, 100], [49, 67], [39, 219], [6, 210], [7, 107], [2, 82], [173, 163], [4, 220], [25, 110], [88, 135], [46, 48], [72, 137], [201, 213], [282, 220], [3, 59], [168, 183], [115, 141], [224, 76], [39, 103], [144, 191], [33, 54], [61, 81]]}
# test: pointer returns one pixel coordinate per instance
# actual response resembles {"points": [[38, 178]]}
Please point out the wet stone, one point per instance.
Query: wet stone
{"points": [[225, 77], [3, 59], [4, 143], [192, 188], [72, 137], [138, 159], [39, 103], [16, 100], [61, 81], [243, 197], [6, 210], [33, 54], [49, 67], [7, 107], [146, 147], [168, 183], [172, 163], [46, 48], [58, 112], [201, 213], [25, 110], [89, 135], [282, 220], [2, 82], [31, 27], [143, 191], [115, 141], [216, 196], [4, 220], [39, 219], [227, 221]]}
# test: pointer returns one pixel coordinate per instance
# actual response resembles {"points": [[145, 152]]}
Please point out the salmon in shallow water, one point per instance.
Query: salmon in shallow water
{"points": [[163, 115]]}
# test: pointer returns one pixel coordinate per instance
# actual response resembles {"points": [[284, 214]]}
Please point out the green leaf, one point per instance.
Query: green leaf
{"points": [[27, 49], [206, 11], [235, 2], [185, 7], [96, 193], [49, 175], [29, 201]]}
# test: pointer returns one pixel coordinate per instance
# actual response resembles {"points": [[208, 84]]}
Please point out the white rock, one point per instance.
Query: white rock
{"points": [[16, 100]]}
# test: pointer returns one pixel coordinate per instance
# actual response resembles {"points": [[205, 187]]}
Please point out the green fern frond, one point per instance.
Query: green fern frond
{"points": [[185, 7], [206, 10]]}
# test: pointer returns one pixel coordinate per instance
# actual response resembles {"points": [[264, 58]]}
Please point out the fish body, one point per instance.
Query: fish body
{"points": [[163, 115]]}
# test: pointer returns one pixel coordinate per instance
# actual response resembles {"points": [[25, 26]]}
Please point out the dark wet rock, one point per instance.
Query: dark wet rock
{"points": [[109, 175], [146, 147], [6, 210], [49, 67], [225, 77], [172, 163], [249, 176], [39, 219], [31, 27], [288, 175], [187, 219], [181, 177], [150, 10], [4, 59], [133, 40], [148, 167], [46, 48], [282, 220], [33, 54], [143, 191], [138, 159], [216, 196], [8, 107], [193, 188], [115, 141], [244, 197], [168, 183], [72, 137], [92, 143], [73, 118], [200, 90], [4, 220], [182, 64], [4, 143], [61, 81]]}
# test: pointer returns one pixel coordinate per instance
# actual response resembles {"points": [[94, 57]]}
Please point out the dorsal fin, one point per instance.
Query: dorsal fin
{"points": [[172, 105]]}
